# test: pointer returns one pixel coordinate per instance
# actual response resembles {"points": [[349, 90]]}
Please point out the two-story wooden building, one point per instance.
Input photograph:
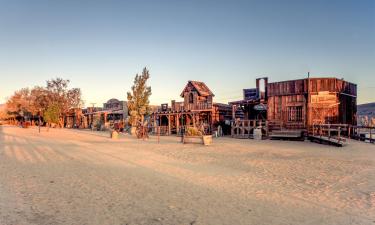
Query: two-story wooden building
{"points": [[196, 110]]}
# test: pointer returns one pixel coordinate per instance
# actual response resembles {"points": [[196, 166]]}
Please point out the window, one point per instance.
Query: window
{"points": [[191, 98], [294, 113]]}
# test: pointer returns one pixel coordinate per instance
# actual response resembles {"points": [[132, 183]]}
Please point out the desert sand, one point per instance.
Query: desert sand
{"points": [[82, 177]]}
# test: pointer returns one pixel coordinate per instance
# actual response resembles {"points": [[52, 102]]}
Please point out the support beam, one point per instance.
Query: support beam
{"points": [[177, 123], [169, 124]]}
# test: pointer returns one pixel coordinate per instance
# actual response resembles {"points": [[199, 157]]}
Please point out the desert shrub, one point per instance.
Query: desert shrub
{"points": [[193, 131]]}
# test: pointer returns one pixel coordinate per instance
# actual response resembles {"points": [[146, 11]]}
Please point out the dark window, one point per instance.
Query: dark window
{"points": [[191, 98], [295, 113]]}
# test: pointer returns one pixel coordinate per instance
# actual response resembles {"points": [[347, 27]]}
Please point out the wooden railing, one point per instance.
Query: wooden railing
{"points": [[280, 125], [179, 106], [199, 106], [362, 133], [244, 128], [163, 130], [330, 132]]}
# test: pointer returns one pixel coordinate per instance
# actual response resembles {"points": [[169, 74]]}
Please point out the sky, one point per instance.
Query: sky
{"points": [[101, 45]]}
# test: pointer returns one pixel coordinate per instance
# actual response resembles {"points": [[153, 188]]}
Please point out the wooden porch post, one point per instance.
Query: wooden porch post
{"points": [[169, 124], [177, 122], [370, 135], [155, 123]]}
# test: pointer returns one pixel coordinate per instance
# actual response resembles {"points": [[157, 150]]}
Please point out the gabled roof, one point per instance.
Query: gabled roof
{"points": [[201, 88]]}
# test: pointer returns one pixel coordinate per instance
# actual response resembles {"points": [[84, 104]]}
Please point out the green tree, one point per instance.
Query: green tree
{"points": [[64, 97], [52, 114], [138, 98]]}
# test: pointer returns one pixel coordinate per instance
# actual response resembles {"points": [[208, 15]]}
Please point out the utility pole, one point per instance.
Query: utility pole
{"points": [[308, 100]]}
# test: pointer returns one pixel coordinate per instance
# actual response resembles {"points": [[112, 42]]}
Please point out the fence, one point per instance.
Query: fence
{"points": [[245, 128]]}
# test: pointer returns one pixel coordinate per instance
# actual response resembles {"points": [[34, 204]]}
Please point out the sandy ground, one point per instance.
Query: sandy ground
{"points": [[80, 177]]}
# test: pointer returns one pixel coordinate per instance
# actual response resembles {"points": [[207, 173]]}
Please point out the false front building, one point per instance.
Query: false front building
{"points": [[297, 104]]}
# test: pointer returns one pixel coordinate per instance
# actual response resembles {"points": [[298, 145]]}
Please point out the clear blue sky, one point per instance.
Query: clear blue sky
{"points": [[101, 45]]}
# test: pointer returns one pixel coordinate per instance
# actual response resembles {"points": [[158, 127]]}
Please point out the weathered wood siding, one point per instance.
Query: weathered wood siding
{"points": [[320, 100], [277, 112]]}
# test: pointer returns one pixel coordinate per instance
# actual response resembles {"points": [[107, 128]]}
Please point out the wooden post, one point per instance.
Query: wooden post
{"points": [[313, 130], [338, 133], [233, 112], [320, 131], [371, 135], [307, 123], [155, 126], [349, 128], [169, 124], [329, 131], [158, 131], [177, 123]]}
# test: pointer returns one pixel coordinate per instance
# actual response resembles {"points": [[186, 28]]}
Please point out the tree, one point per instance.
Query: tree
{"points": [[52, 114], [138, 98], [3, 112], [62, 96], [20, 103], [41, 99], [28, 103]]}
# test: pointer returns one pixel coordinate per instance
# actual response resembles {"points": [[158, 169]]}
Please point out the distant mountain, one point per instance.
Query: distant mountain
{"points": [[367, 109]]}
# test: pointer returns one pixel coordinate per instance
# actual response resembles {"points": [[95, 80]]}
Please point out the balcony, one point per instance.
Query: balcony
{"points": [[180, 107]]}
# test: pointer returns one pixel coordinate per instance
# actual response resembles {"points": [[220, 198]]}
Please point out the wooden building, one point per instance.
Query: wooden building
{"points": [[74, 118], [250, 112], [295, 105], [196, 110], [253, 106], [298, 104], [112, 114]]}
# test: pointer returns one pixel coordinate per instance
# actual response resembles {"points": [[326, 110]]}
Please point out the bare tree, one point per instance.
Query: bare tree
{"points": [[20, 103]]}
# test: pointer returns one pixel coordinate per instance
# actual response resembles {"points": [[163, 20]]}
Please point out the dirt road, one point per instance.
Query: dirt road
{"points": [[79, 177]]}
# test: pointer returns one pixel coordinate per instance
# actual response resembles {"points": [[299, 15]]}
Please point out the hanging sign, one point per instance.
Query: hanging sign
{"points": [[260, 107]]}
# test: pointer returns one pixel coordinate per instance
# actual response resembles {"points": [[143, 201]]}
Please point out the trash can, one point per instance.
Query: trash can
{"points": [[257, 134]]}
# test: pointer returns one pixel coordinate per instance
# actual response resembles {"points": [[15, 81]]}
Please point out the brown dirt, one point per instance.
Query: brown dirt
{"points": [[79, 177]]}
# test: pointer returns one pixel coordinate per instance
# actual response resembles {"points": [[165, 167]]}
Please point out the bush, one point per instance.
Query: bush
{"points": [[193, 131]]}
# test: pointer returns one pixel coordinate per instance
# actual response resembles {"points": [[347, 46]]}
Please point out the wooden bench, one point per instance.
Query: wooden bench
{"points": [[287, 134]]}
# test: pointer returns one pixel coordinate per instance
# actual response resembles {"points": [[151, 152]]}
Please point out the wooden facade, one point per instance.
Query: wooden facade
{"points": [[196, 110], [298, 104], [113, 114], [295, 105], [74, 118], [253, 106]]}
